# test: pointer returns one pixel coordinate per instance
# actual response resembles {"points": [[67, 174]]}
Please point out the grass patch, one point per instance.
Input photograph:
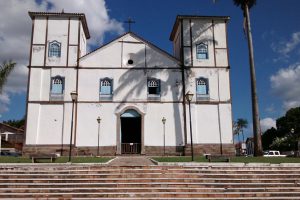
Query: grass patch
{"points": [[274, 160], [83, 159], [180, 159], [10, 159]]}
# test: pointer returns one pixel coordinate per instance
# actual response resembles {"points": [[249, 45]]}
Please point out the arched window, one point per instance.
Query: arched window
{"points": [[202, 51], [54, 49], [106, 86], [202, 86], [57, 85], [154, 87]]}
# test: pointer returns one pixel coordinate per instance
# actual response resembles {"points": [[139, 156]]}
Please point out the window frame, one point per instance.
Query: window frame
{"points": [[106, 96], [158, 93], [53, 52], [200, 96], [198, 53], [57, 96]]}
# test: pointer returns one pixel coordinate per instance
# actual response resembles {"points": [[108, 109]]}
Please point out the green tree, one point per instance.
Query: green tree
{"points": [[236, 131], [5, 70], [246, 5], [287, 134], [242, 123], [16, 123], [268, 137]]}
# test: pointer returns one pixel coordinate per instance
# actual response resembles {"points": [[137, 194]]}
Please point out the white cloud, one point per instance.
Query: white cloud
{"points": [[284, 47], [96, 14], [15, 30], [285, 84], [267, 123]]}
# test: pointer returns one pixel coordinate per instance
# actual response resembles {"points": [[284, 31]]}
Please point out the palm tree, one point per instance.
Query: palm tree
{"points": [[245, 6], [5, 70], [241, 124], [236, 131]]}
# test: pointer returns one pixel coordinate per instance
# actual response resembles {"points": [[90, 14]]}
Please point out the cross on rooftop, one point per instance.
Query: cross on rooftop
{"points": [[129, 22]]}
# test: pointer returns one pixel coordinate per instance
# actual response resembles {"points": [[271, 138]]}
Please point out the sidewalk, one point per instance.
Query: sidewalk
{"points": [[131, 161]]}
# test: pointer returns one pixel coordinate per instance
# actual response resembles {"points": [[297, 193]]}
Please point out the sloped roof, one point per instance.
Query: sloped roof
{"points": [[138, 38], [6, 127]]}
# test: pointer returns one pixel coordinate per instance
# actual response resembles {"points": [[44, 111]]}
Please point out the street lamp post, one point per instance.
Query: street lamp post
{"points": [[74, 98], [164, 124], [293, 137], [189, 97], [98, 120]]}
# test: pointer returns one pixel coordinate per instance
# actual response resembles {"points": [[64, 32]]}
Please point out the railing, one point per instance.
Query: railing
{"points": [[131, 148]]}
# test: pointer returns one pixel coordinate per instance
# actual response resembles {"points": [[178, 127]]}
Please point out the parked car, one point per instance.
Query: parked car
{"points": [[7, 153], [273, 153]]}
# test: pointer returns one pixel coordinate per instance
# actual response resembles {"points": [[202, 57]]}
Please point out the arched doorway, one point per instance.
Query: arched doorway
{"points": [[131, 136]]}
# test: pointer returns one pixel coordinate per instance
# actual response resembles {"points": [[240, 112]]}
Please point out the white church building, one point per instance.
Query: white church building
{"points": [[131, 85]]}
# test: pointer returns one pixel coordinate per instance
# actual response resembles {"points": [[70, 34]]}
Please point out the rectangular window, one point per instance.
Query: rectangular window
{"points": [[57, 88], [202, 51], [54, 49], [106, 89], [202, 89], [153, 89]]}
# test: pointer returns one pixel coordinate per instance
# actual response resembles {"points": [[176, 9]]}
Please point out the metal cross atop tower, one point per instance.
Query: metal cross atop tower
{"points": [[129, 22]]}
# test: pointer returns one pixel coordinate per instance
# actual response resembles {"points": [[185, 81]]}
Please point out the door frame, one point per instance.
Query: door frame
{"points": [[118, 152]]}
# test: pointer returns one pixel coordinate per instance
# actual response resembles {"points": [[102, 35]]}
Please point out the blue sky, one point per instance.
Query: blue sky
{"points": [[276, 36]]}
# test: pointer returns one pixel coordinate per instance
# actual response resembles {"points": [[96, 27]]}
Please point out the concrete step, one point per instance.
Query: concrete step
{"points": [[148, 184], [145, 180], [148, 175], [138, 190], [215, 166], [151, 195], [161, 198], [177, 171]]}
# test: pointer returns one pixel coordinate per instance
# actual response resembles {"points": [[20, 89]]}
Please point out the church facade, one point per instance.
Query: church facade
{"points": [[135, 89]]}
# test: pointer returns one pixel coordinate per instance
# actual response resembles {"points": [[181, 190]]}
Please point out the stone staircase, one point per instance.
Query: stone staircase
{"points": [[148, 182]]}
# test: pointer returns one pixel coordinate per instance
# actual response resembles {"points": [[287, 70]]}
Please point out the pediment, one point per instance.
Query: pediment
{"points": [[128, 51]]}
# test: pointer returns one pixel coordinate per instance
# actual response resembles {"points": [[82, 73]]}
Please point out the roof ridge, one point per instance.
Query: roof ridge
{"points": [[138, 38]]}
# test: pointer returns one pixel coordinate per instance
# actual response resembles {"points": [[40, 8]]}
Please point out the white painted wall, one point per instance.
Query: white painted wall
{"points": [[50, 123], [40, 82], [129, 85], [117, 53], [39, 32], [38, 53], [32, 123], [87, 129], [174, 124], [57, 30]]}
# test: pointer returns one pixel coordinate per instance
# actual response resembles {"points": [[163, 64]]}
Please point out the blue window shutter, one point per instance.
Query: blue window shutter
{"points": [[202, 51], [57, 85], [202, 86], [105, 90], [106, 86], [201, 89]]}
